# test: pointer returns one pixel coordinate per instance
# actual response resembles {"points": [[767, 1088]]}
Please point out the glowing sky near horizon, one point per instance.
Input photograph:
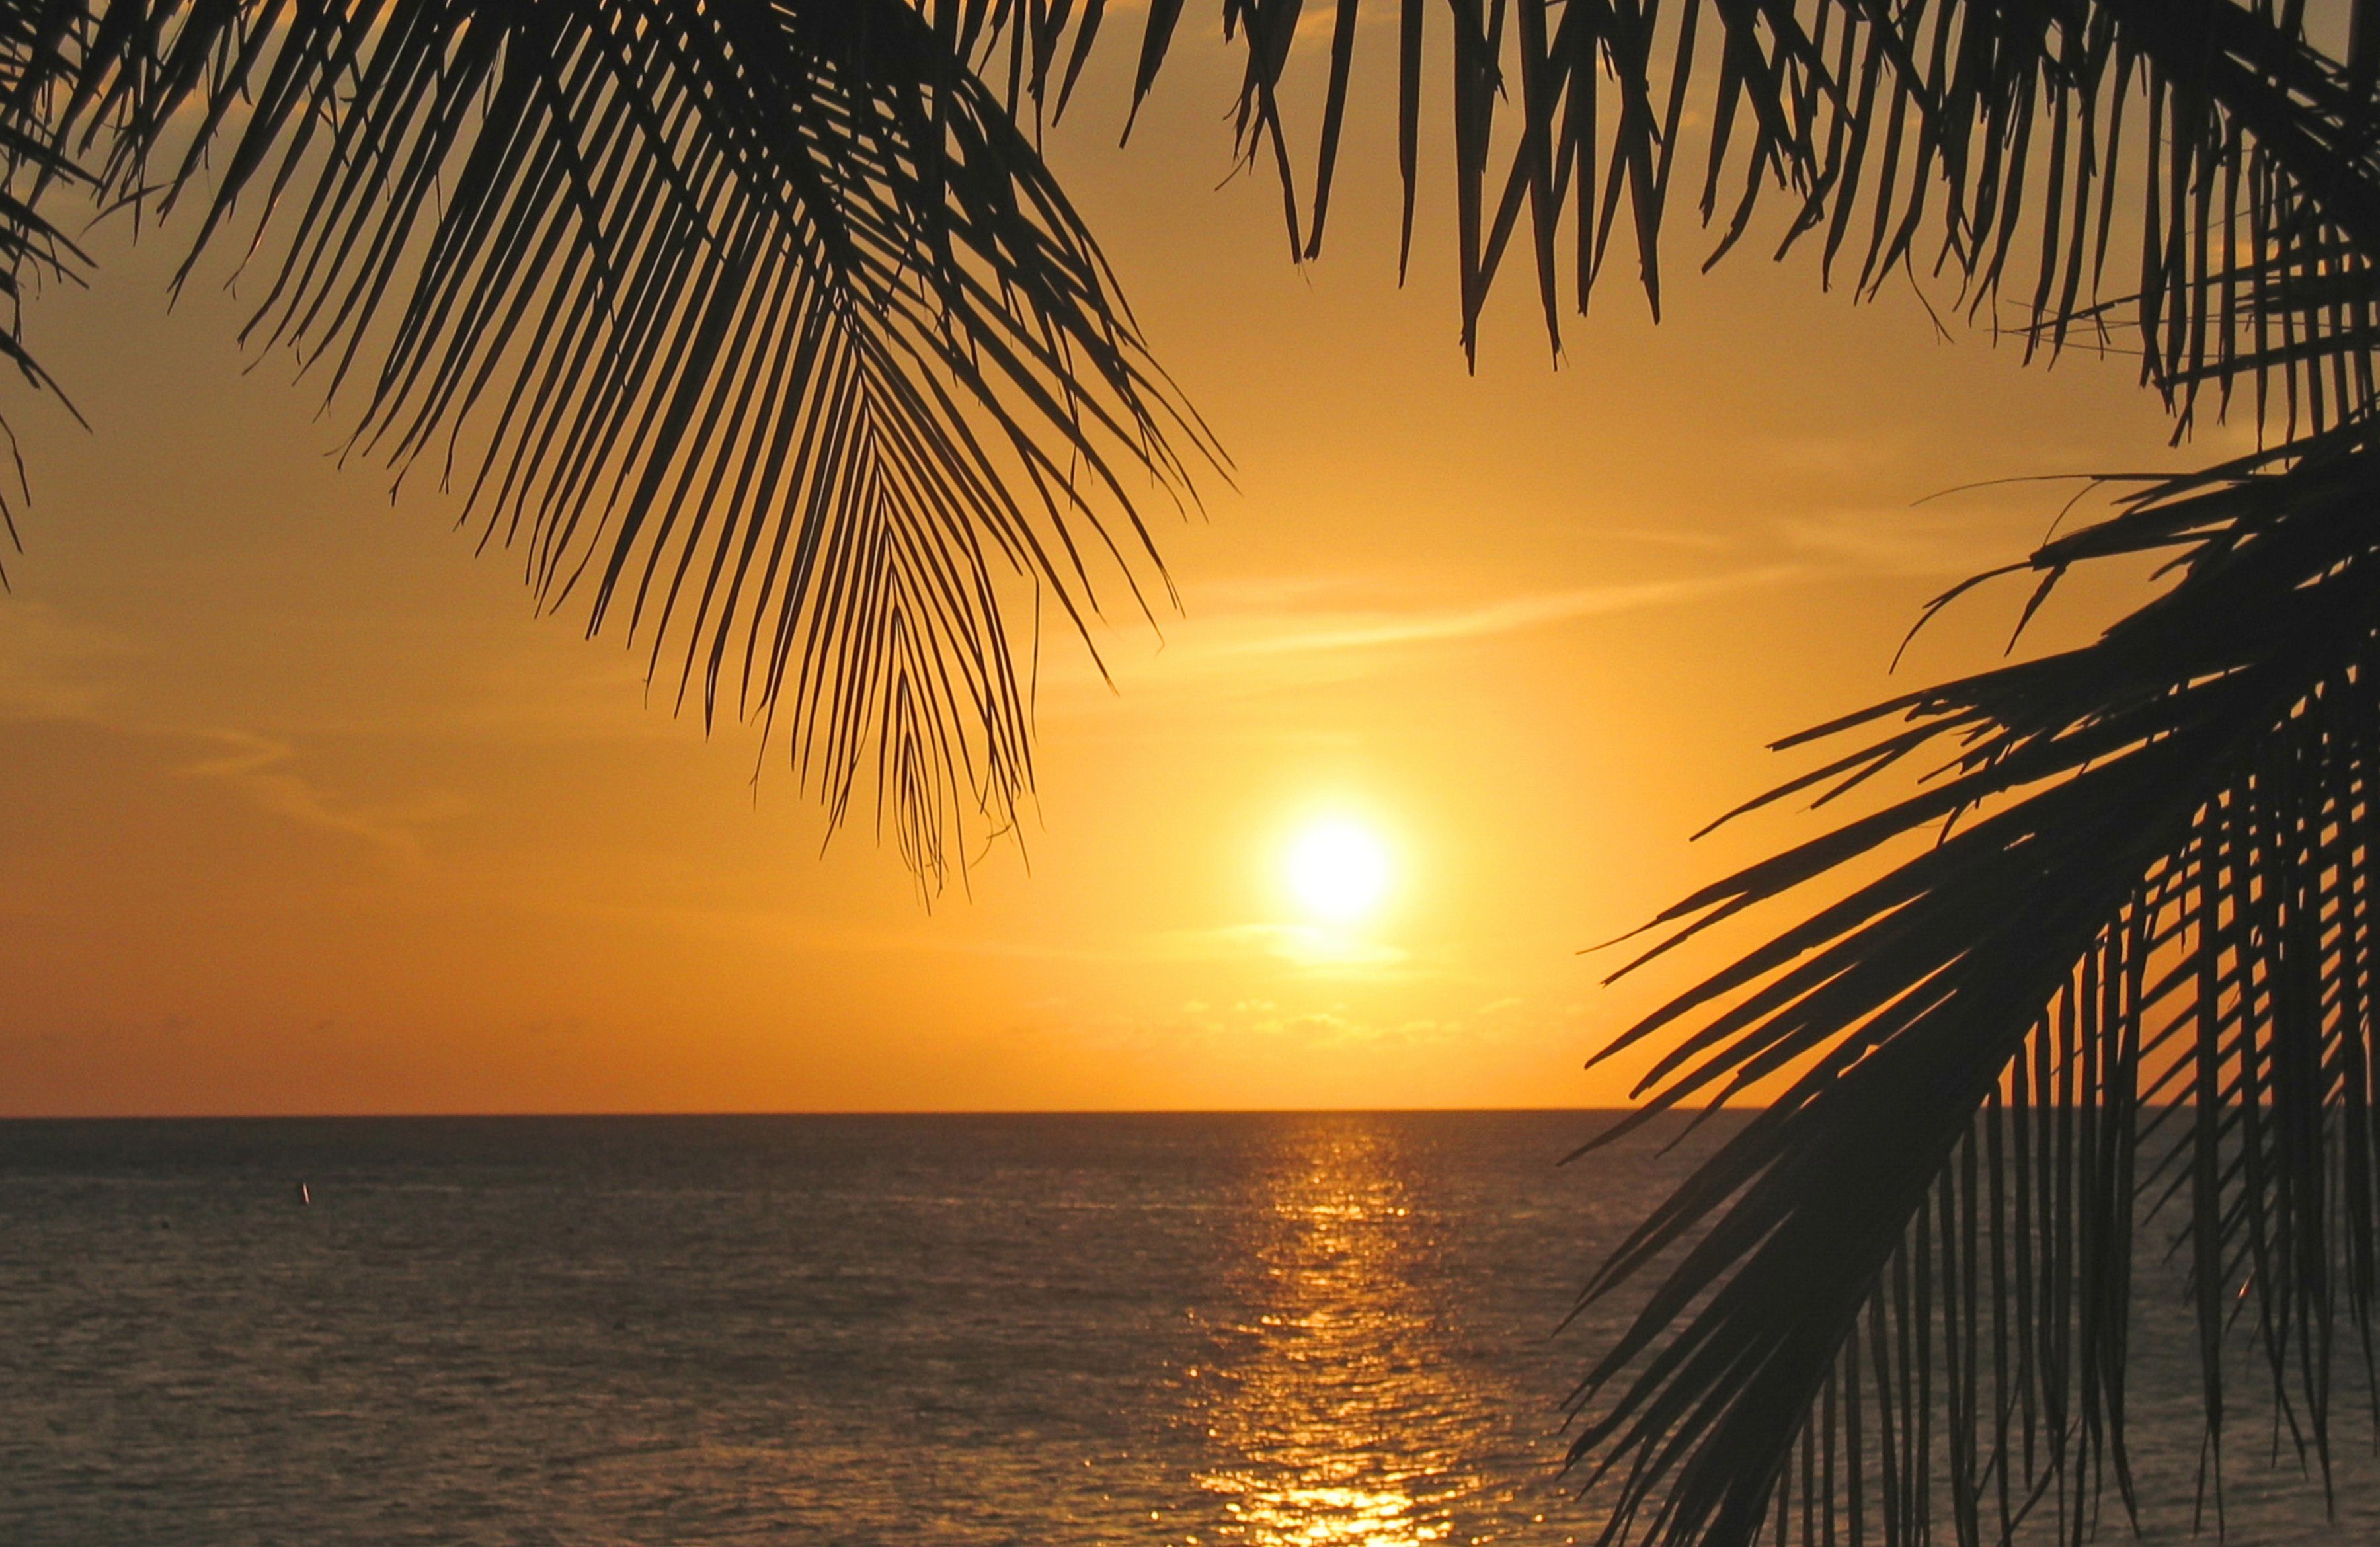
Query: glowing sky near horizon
{"points": [[309, 813]]}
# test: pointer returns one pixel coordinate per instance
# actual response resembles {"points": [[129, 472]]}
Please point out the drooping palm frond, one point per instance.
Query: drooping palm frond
{"points": [[2155, 918], [32, 249], [2193, 171], [763, 323]]}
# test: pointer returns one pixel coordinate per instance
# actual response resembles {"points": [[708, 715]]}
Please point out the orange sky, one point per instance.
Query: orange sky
{"points": [[308, 814]]}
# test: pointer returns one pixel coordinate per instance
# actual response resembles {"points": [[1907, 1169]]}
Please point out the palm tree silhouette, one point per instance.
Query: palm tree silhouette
{"points": [[765, 321]]}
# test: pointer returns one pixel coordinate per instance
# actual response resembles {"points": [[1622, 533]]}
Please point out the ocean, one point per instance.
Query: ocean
{"points": [[1298, 1329]]}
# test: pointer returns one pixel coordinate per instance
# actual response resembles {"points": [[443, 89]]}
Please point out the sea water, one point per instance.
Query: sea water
{"points": [[1282, 1329]]}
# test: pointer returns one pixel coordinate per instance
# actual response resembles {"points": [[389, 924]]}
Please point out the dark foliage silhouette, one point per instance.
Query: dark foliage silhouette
{"points": [[763, 323]]}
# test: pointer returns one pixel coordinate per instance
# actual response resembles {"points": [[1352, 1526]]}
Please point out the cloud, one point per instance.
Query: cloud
{"points": [[1303, 944], [1916, 542], [1267, 1030], [1692, 539], [1509, 615], [1833, 457], [54, 666], [256, 767], [534, 693], [1264, 621]]}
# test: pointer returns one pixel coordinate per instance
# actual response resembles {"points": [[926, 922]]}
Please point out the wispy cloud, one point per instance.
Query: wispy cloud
{"points": [[1301, 945], [1920, 542], [54, 666], [1507, 616], [1836, 456], [258, 768], [1258, 621]]}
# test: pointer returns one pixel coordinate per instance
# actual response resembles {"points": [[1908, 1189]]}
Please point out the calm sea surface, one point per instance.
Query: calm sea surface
{"points": [[1267, 1329]]}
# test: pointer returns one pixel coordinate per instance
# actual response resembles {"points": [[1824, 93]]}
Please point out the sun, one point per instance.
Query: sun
{"points": [[1338, 870]]}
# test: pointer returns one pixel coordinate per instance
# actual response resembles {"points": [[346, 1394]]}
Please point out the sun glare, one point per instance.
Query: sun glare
{"points": [[1338, 870]]}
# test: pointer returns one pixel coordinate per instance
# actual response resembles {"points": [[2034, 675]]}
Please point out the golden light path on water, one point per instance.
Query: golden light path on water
{"points": [[1335, 1423]]}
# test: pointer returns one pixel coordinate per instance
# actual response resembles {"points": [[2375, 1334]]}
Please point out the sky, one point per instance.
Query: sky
{"points": [[308, 812]]}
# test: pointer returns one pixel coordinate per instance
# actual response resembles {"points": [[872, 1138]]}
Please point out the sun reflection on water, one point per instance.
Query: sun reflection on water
{"points": [[1332, 1419]]}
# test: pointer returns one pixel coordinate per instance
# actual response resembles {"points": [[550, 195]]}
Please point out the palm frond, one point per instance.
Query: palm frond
{"points": [[33, 249], [2152, 918], [762, 323], [2189, 174]]}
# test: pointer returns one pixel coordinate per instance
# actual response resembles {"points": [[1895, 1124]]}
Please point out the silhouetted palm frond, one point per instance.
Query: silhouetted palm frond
{"points": [[2193, 169], [2155, 915], [761, 322], [32, 249]]}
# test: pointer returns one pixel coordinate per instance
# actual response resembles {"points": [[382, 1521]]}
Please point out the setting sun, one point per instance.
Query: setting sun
{"points": [[1338, 870]]}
